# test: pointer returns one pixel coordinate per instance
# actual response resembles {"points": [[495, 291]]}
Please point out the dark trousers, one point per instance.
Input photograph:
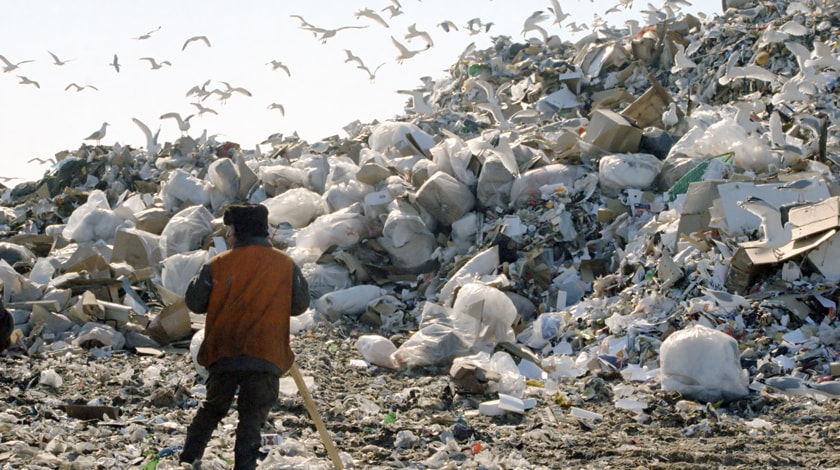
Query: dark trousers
{"points": [[257, 394]]}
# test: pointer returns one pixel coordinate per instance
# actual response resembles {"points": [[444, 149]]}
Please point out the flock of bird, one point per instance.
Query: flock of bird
{"points": [[536, 23]]}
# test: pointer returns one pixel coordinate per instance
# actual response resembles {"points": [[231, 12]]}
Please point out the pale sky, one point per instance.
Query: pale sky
{"points": [[323, 94]]}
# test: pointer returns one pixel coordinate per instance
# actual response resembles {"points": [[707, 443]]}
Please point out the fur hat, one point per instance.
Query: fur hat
{"points": [[248, 219]]}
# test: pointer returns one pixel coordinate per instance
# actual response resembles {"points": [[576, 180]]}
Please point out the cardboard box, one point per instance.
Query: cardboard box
{"points": [[612, 132], [171, 324], [138, 248], [647, 110]]}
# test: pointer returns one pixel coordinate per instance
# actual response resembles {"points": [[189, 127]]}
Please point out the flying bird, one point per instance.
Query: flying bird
{"points": [[200, 91], [414, 33], [418, 102], [447, 26], [532, 24], [183, 124], [800, 187], [559, 16], [353, 58], [147, 35], [276, 64], [27, 81], [9, 66], [42, 161], [368, 13], [56, 60], [154, 64], [279, 107], [371, 75], [98, 135], [115, 63], [152, 145], [79, 87], [329, 33], [774, 235], [196, 38], [405, 53], [393, 10], [203, 109]]}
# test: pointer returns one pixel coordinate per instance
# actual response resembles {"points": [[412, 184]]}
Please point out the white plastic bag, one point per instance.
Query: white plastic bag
{"points": [[185, 231], [703, 364], [297, 207], [195, 345], [628, 170], [179, 269], [377, 350], [94, 220], [352, 301]]}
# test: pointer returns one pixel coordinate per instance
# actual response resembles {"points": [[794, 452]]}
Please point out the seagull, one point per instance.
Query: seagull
{"points": [[115, 63], [725, 300], [394, 10], [802, 55], [371, 75], [56, 60], [154, 64], [670, 117], [414, 33], [200, 91], [447, 26], [79, 88], [203, 109], [418, 102], [531, 24], [559, 16], [27, 81], [404, 52], [353, 58], [800, 186], [278, 106], [681, 62], [494, 109], [152, 145], [774, 234], [276, 64], [328, 33], [233, 89], [368, 13], [98, 135], [474, 25], [42, 161], [10, 66], [823, 57], [196, 38], [183, 124], [147, 35]]}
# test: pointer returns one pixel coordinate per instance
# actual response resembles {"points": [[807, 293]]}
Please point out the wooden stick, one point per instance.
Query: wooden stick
{"points": [[313, 412]]}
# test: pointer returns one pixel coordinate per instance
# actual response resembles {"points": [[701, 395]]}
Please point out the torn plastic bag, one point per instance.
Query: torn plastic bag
{"points": [[406, 239], [324, 278], [377, 350], [703, 364], [181, 187], [195, 346], [92, 221], [339, 229], [493, 310], [185, 231], [224, 179], [453, 157], [526, 188], [281, 177], [445, 198], [297, 207], [494, 183], [484, 262], [99, 335], [437, 342], [622, 171], [180, 268], [391, 134]]}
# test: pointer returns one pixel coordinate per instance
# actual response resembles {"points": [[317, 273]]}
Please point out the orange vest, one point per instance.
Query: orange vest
{"points": [[249, 307]]}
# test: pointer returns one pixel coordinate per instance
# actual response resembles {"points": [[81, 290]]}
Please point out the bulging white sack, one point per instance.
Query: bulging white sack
{"points": [[377, 350], [628, 170], [703, 364]]}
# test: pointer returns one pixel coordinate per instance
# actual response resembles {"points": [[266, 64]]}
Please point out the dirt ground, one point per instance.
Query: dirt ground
{"points": [[415, 418]]}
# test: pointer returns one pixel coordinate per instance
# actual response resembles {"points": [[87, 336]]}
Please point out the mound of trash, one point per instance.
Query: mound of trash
{"points": [[630, 235]]}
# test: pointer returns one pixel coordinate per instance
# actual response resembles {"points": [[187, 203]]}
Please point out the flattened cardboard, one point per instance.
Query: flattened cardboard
{"points": [[171, 324]]}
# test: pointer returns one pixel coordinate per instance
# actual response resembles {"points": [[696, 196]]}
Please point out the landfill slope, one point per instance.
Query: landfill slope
{"points": [[534, 234]]}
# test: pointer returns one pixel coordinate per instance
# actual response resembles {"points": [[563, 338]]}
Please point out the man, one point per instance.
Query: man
{"points": [[249, 293]]}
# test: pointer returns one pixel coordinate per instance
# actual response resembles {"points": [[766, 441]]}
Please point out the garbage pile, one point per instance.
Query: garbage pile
{"points": [[621, 207]]}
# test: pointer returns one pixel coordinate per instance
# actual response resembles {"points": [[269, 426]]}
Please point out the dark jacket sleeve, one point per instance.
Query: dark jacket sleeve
{"points": [[300, 292], [197, 296]]}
